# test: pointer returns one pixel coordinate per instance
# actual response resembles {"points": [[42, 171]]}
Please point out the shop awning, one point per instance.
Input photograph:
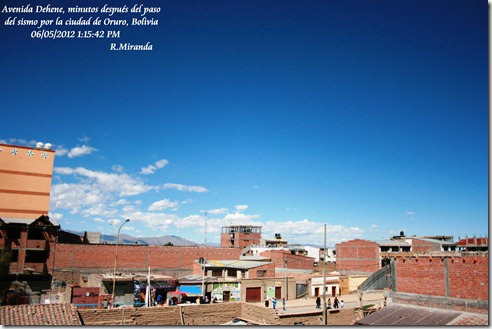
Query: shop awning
{"points": [[191, 290]]}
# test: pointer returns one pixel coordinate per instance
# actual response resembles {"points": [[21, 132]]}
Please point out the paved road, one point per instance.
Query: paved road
{"points": [[305, 305]]}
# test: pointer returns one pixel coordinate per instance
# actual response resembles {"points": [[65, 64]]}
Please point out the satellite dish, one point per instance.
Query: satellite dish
{"points": [[39, 145], [47, 146]]}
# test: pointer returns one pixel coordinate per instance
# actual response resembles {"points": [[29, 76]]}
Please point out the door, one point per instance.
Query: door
{"points": [[333, 291], [253, 295], [278, 293], [225, 296], [316, 292]]}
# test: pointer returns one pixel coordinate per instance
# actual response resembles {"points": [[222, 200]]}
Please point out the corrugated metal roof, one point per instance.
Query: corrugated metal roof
{"points": [[444, 243], [238, 264], [409, 315], [393, 243]]}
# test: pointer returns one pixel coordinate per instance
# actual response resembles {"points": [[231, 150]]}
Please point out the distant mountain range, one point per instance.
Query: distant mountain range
{"points": [[150, 241]]}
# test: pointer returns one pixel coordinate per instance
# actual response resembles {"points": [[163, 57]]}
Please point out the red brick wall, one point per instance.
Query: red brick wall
{"points": [[131, 257], [279, 257], [241, 239], [420, 276], [358, 255], [468, 276]]}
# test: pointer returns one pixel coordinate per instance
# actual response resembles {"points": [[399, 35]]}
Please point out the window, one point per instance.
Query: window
{"points": [[261, 273], [232, 272], [14, 256], [217, 273], [35, 234], [13, 233]]}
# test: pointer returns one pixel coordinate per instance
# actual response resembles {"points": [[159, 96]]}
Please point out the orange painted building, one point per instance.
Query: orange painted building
{"points": [[25, 180]]}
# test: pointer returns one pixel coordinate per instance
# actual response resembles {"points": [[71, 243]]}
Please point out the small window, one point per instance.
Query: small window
{"points": [[232, 272], [14, 256], [261, 273], [13, 233], [216, 273]]}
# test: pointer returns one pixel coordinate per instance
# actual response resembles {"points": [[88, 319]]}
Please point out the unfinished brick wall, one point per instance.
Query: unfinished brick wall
{"points": [[134, 258], [459, 277], [469, 277], [358, 255], [279, 257]]}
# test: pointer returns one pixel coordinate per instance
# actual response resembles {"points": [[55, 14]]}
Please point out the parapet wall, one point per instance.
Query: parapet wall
{"points": [[465, 277], [194, 315]]}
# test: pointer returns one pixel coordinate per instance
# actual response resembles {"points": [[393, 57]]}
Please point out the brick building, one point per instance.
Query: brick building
{"points": [[473, 244], [358, 256], [240, 236]]}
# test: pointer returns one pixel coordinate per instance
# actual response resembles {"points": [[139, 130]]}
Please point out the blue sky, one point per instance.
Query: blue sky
{"points": [[370, 117]]}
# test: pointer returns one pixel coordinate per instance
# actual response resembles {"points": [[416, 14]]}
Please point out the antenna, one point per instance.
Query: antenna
{"points": [[206, 228]]}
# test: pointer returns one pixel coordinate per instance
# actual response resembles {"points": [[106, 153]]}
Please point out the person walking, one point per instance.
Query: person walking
{"points": [[318, 302], [335, 303], [283, 304], [341, 303], [274, 303]]}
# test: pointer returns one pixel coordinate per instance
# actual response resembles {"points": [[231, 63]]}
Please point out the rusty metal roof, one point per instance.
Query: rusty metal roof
{"points": [[409, 315]]}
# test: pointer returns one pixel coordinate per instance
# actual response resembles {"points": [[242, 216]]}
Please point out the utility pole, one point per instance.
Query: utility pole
{"points": [[205, 229], [325, 318]]}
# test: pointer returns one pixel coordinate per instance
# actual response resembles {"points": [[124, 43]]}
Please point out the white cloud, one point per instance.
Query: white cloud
{"points": [[161, 163], [80, 151], [410, 213], [163, 204], [239, 218], [84, 139], [186, 188], [215, 211], [148, 170], [97, 194], [118, 168], [158, 222], [241, 207], [152, 168], [121, 184], [61, 151]]}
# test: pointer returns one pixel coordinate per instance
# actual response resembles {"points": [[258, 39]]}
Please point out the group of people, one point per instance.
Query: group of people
{"points": [[274, 303], [336, 303]]}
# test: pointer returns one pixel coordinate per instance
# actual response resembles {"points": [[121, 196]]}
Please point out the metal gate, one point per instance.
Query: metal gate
{"points": [[253, 295]]}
